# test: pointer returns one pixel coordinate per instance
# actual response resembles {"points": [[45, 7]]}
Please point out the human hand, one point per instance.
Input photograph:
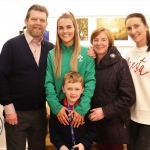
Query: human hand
{"points": [[11, 118], [63, 148], [96, 114], [91, 52], [77, 118], [79, 146], [62, 116], [47, 111]]}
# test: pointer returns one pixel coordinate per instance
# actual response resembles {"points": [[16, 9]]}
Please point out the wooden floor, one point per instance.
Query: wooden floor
{"points": [[49, 145]]}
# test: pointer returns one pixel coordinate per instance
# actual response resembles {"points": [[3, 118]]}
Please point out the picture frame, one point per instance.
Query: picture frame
{"points": [[90, 28], [116, 24], [83, 28]]}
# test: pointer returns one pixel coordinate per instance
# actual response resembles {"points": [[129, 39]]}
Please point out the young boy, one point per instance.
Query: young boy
{"points": [[67, 137]]}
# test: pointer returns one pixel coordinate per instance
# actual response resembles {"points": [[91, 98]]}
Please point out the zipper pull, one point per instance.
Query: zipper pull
{"points": [[124, 126]]}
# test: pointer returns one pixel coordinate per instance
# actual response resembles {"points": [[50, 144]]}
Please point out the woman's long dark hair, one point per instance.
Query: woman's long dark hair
{"points": [[143, 19]]}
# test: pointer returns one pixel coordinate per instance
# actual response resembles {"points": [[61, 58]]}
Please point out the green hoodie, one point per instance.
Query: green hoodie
{"points": [[53, 85]]}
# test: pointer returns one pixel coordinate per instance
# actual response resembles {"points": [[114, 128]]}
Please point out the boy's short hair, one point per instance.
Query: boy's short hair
{"points": [[73, 77]]}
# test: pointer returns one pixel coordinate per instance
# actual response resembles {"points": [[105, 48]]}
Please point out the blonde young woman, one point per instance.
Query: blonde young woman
{"points": [[68, 55]]}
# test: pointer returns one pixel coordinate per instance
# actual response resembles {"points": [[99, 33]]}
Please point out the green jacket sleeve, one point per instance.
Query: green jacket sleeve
{"points": [[51, 95], [89, 87]]}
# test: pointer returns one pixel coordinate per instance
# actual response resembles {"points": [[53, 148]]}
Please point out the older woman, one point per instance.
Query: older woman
{"points": [[114, 93]]}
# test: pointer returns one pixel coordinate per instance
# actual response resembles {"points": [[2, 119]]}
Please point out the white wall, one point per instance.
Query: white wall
{"points": [[12, 14]]}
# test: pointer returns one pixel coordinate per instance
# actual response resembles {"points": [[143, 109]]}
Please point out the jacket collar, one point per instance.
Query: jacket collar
{"points": [[65, 103], [112, 56], [29, 38], [64, 47]]}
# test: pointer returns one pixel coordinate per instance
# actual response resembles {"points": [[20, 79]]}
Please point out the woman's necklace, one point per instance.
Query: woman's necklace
{"points": [[139, 54], [141, 51]]}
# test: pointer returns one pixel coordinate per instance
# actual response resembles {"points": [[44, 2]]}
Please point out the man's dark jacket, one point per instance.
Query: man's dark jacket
{"points": [[115, 93], [21, 80]]}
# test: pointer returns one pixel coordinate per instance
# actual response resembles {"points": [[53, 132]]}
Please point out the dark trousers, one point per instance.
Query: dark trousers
{"points": [[141, 136], [31, 127], [102, 146]]}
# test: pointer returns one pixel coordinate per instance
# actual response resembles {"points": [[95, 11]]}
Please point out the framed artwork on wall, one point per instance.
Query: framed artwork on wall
{"points": [[83, 28], [117, 26]]}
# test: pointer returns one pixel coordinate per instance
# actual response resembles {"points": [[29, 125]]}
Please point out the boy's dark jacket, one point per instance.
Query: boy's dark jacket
{"points": [[61, 135]]}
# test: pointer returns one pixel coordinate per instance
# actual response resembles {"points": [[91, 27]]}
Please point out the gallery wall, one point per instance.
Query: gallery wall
{"points": [[12, 14]]}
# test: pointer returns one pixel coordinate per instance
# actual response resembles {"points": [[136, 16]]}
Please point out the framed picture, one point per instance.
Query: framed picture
{"points": [[46, 35], [117, 26], [83, 28]]}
